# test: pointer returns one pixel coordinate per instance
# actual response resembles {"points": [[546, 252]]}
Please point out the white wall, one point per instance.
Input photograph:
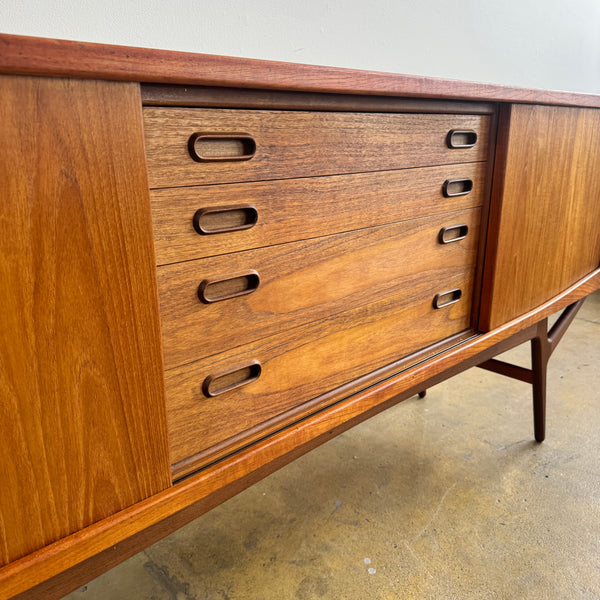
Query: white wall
{"points": [[533, 43]]}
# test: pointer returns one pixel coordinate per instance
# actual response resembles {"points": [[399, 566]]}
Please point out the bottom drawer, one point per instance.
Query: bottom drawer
{"points": [[283, 371]]}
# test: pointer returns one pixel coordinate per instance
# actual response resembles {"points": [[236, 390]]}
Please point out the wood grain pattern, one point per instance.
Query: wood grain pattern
{"points": [[299, 144], [297, 413], [73, 561], [297, 209], [43, 56], [309, 360], [545, 232], [305, 281], [82, 420]]}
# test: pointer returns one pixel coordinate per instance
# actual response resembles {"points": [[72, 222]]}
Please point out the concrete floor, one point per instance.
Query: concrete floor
{"points": [[442, 498]]}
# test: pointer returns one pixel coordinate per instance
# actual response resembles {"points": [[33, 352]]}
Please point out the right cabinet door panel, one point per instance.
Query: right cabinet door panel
{"points": [[544, 230]]}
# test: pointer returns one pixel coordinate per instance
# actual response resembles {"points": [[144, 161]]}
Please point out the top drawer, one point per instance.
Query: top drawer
{"points": [[194, 146]]}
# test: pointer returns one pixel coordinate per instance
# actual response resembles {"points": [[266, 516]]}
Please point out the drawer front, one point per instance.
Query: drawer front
{"points": [[192, 146], [305, 362], [210, 220], [251, 295]]}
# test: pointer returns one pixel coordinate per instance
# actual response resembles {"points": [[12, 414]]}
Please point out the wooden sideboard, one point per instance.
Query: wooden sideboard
{"points": [[210, 265]]}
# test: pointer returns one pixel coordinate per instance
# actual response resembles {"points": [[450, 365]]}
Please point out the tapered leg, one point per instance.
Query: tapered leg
{"points": [[540, 353], [542, 347], [543, 343]]}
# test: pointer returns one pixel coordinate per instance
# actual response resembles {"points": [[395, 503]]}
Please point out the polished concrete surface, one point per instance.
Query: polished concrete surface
{"points": [[444, 498]]}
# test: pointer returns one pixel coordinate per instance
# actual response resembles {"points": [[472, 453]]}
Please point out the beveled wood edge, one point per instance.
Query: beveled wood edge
{"points": [[485, 221], [495, 217], [27, 55], [63, 566]]}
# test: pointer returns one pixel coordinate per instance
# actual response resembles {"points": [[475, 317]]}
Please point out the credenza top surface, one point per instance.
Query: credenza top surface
{"points": [[64, 58]]}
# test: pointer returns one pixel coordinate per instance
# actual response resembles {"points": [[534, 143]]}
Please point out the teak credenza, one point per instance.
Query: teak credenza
{"points": [[211, 265]]}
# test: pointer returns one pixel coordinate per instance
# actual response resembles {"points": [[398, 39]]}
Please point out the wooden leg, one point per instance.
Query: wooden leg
{"points": [[423, 394], [543, 344], [542, 348], [540, 354]]}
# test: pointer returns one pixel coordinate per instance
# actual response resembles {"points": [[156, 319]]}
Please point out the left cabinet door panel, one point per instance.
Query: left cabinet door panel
{"points": [[82, 411]]}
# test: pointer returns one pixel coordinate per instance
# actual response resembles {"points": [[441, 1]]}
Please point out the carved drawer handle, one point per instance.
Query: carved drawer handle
{"points": [[461, 138], [447, 298], [215, 289], [220, 147], [453, 233], [457, 187], [231, 379], [224, 219]]}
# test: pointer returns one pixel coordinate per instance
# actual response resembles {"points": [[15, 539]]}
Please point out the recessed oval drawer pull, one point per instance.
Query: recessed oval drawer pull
{"points": [[457, 187], [220, 147], [224, 219], [453, 233], [461, 138], [231, 379], [215, 289], [447, 298]]}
